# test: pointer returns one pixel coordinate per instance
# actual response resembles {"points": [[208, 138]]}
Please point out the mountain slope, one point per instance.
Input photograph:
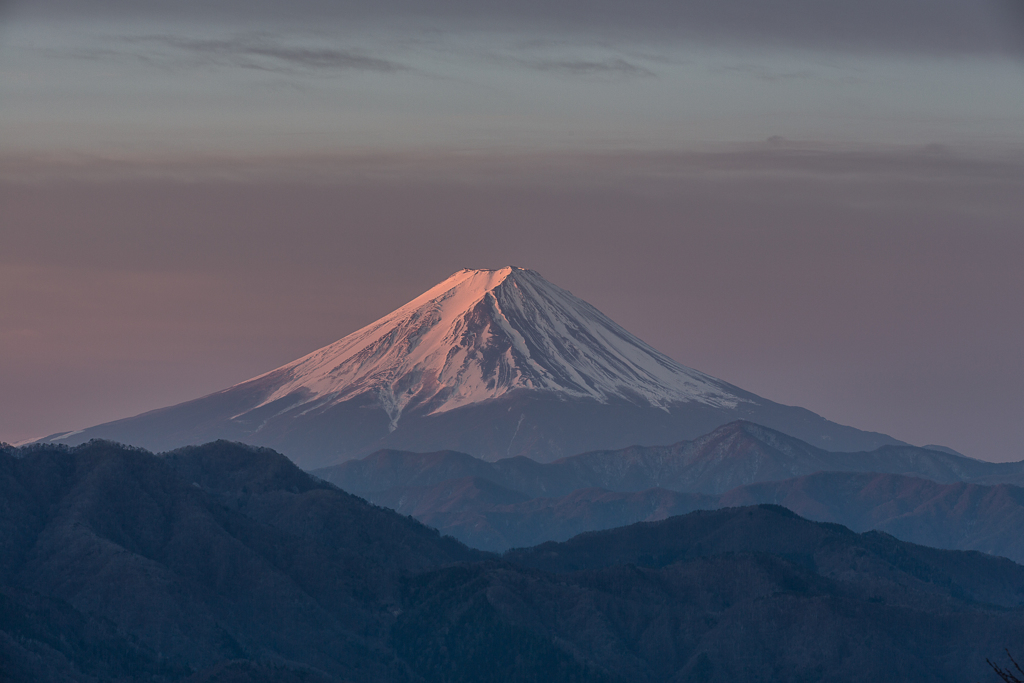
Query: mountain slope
{"points": [[490, 362], [954, 516], [226, 563], [957, 516], [213, 553], [735, 454], [746, 594], [743, 453], [517, 502], [486, 516]]}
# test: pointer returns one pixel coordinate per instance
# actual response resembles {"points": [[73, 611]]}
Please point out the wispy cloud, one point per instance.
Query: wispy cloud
{"points": [[584, 67], [261, 52]]}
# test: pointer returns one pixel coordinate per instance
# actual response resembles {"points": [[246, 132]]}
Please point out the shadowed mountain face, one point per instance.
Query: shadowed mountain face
{"points": [[516, 502], [956, 516], [774, 530], [225, 563], [212, 553], [484, 515], [747, 594], [494, 363], [733, 455]]}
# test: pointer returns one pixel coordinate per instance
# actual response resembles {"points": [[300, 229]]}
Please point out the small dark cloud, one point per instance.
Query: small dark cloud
{"points": [[582, 67], [258, 52]]}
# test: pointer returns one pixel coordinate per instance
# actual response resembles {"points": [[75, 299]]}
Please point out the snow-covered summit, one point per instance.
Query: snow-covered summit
{"points": [[481, 334], [493, 363]]}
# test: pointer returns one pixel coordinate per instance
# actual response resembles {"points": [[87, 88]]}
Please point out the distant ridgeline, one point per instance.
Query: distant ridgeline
{"points": [[226, 562], [927, 496]]}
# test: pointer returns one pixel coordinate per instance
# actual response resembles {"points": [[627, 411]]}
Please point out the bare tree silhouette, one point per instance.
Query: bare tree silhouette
{"points": [[1007, 674]]}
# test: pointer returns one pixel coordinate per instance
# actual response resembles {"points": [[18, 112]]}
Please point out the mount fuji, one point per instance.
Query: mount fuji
{"points": [[494, 363]]}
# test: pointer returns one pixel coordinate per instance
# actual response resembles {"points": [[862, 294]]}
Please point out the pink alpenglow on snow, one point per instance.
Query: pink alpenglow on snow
{"points": [[464, 341]]}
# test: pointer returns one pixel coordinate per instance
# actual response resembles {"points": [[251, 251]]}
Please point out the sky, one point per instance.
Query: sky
{"points": [[820, 202]]}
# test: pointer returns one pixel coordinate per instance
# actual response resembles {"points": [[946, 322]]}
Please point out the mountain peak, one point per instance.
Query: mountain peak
{"points": [[491, 362], [468, 282], [481, 334]]}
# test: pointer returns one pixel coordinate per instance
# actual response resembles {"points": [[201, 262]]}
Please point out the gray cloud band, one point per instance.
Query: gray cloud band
{"points": [[939, 26]]}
